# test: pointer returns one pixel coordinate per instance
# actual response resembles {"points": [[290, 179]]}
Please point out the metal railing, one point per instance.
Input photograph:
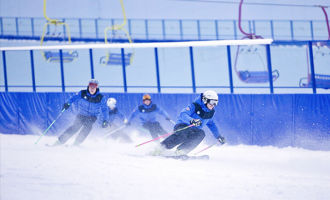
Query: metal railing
{"points": [[167, 30], [190, 58]]}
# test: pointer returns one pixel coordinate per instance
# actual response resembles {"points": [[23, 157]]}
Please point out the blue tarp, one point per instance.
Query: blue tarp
{"points": [[297, 120]]}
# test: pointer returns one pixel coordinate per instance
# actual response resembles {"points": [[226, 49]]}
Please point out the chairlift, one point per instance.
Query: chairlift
{"points": [[321, 80], [52, 56], [252, 76], [112, 58]]}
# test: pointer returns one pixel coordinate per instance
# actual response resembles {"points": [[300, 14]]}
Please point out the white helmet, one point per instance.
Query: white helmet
{"points": [[111, 102], [211, 97]]}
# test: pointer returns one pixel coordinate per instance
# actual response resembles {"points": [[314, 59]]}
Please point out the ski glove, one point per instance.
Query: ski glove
{"points": [[222, 140], [66, 106], [196, 122], [104, 124], [127, 123], [168, 118]]}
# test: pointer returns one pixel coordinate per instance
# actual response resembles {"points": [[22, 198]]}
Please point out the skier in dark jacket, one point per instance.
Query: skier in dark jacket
{"points": [[116, 117], [91, 103], [198, 113], [147, 112]]}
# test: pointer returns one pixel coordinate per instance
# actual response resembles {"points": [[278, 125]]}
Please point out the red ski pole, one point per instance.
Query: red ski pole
{"points": [[164, 135], [207, 148]]}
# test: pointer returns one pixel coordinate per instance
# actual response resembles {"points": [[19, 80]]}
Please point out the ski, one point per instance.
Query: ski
{"points": [[203, 157], [181, 157], [48, 145]]}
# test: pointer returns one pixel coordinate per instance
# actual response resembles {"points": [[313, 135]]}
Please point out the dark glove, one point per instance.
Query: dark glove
{"points": [[104, 124], [66, 106], [168, 118], [222, 140], [196, 122], [127, 123]]}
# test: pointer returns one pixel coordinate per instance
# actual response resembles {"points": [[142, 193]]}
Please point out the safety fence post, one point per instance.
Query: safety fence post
{"points": [[311, 60], [216, 30], [181, 32], [312, 32], [146, 24], [32, 71], [199, 30], [5, 70], [124, 68], [32, 26], [230, 70], [62, 70], [91, 62], [80, 31], [272, 28], [291, 26], [235, 31], [269, 65], [192, 69], [164, 32], [96, 29], [157, 70], [16, 22]]}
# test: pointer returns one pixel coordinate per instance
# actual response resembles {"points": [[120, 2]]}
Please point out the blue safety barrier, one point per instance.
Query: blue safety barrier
{"points": [[282, 120]]}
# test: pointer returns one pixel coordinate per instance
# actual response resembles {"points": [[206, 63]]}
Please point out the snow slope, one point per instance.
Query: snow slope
{"points": [[120, 171]]}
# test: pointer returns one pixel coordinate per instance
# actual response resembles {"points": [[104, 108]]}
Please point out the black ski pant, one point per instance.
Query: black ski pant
{"points": [[187, 139], [120, 134], [154, 128], [86, 122]]}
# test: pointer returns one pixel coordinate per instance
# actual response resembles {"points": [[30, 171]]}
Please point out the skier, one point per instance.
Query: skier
{"points": [[91, 103], [147, 112], [115, 117], [198, 113]]}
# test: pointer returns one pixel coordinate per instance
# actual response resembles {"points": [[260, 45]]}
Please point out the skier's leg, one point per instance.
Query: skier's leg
{"points": [[150, 127], [195, 137], [72, 129], [177, 137], [159, 129], [88, 125]]}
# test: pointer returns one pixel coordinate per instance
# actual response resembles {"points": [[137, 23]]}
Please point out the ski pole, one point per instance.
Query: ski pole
{"points": [[114, 131], [172, 121], [164, 135], [50, 125], [207, 148]]}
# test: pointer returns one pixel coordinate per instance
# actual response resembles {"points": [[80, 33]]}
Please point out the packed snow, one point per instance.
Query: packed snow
{"points": [[114, 170]]}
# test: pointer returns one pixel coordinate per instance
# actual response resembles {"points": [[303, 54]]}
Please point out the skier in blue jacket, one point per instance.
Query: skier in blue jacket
{"points": [[91, 103], [147, 112], [198, 113], [116, 117]]}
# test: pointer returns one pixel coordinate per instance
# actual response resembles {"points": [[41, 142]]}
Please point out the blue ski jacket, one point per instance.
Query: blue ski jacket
{"points": [[116, 116], [188, 113], [147, 113], [90, 105]]}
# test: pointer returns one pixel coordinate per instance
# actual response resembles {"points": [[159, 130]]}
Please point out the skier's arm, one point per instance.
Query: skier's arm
{"points": [[162, 112], [187, 112], [72, 99], [213, 128]]}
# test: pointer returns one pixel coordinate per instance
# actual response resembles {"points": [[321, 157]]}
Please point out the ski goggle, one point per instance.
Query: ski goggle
{"points": [[146, 97], [212, 102], [92, 85]]}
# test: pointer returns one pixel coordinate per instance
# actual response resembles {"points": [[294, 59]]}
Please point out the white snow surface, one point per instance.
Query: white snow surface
{"points": [[113, 170]]}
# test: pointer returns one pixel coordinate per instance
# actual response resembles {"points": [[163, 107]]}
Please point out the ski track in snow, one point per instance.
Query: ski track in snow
{"points": [[112, 170]]}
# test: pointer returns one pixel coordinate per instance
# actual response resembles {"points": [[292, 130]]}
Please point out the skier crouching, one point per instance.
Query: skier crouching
{"points": [[198, 113]]}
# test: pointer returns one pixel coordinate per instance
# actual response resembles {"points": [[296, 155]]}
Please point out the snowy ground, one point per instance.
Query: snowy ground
{"points": [[119, 171]]}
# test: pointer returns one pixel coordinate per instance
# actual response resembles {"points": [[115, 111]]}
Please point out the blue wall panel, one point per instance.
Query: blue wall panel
{"points": [[297, 120]]}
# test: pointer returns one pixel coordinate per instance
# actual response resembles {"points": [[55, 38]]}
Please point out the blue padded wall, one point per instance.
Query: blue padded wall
{"points": [[297, 120]]}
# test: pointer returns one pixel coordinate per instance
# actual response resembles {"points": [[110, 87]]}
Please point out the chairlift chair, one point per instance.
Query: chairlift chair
{"points": [[249, 76], [116, 58], [51, 56], [321, 80]]}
